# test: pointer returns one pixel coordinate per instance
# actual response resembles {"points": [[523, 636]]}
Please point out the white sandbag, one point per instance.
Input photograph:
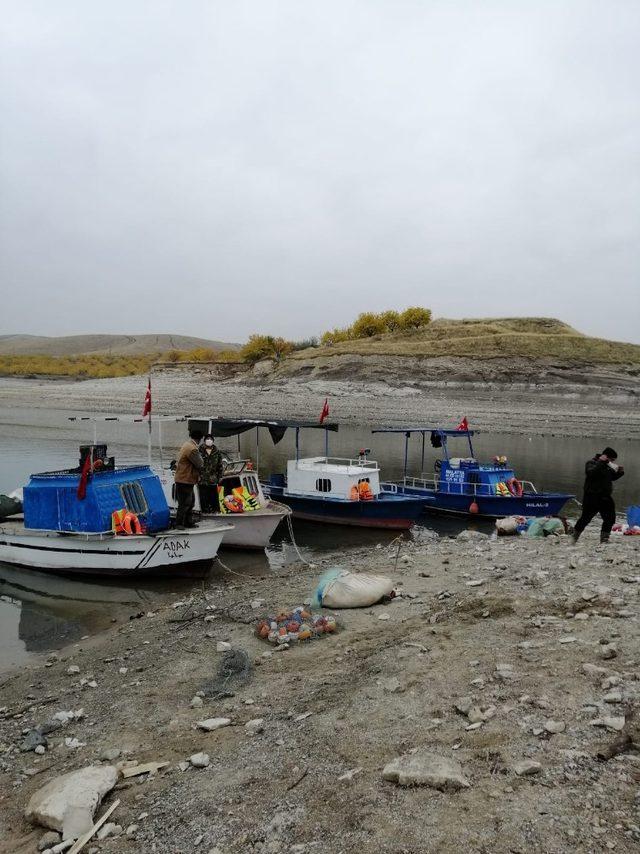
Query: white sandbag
{"points": [[349, 590], [509, 525]]}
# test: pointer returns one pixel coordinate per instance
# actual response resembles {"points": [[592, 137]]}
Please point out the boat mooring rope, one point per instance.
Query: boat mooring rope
{"points": [[293, 541]]}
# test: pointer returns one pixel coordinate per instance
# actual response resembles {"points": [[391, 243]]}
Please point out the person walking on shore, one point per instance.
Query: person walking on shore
{"points": [[600, 472], [187, 474], [211, 474]]}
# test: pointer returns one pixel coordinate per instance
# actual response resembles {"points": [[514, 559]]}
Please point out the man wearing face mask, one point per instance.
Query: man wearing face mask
{"points": [[211, 474], [600, 472]]}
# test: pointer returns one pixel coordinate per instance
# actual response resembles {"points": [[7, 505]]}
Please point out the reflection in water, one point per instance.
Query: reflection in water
{"points": [[39, 612]]}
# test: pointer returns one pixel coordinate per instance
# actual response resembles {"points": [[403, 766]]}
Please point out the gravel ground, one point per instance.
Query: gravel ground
{"points": [[537, 637]]}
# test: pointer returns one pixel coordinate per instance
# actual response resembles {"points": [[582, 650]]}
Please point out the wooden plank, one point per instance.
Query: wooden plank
{"points": [[136, 770], [81, 841]]}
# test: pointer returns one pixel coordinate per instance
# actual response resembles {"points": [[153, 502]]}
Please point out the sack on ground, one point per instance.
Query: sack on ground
{"points": [[342, 589], [509, 525]]}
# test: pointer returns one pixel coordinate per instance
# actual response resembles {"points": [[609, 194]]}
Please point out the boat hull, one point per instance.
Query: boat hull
{"points": [[252, 529], [173, 552], [388, 511], [489, 506]]}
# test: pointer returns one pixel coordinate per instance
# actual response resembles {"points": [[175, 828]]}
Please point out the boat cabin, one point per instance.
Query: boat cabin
{"points": [[467, 475], [332, 477], [53, 502], [458, 475]]}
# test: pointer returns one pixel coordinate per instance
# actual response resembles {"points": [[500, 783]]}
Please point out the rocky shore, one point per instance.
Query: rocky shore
{"points": [[492, 401], [490, 707]]}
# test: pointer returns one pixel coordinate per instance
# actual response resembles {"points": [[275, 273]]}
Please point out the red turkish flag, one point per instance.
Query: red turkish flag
{"points": [[84, 477], [146, 409], [463, 425], [325, 410]]}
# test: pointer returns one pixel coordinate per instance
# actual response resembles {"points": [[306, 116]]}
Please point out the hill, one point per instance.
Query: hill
{"points": [[116, 345], [518, 337]]}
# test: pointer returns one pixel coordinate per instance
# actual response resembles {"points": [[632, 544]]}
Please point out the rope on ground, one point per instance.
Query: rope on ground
{"points": [[293, 540], [228, 568]]}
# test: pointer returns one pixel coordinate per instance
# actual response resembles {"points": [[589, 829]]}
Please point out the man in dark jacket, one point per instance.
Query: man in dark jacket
{"points": [[210, 475], [187, 473], [601, 471]]}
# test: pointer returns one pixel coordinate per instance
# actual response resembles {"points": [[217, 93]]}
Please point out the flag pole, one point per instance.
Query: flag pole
{"points": [[149, 434]]}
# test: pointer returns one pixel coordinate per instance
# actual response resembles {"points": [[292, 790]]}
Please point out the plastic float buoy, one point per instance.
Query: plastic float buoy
{"points": [[473, 507]]}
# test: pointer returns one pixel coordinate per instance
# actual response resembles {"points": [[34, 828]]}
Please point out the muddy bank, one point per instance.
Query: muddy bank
{"points": [[494, 653], [591, 411]]}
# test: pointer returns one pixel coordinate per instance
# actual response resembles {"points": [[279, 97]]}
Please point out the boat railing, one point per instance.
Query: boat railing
{"points": [[464, 487], [389, 487], [358, 462]]}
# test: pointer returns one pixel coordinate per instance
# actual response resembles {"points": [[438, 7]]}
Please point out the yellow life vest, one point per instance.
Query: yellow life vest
{"points": [[502, 489], [221, 503], [249, 502]]}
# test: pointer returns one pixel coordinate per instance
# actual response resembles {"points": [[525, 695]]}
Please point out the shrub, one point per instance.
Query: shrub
{"points": [[390, 319], [265, 347], [414, 318], [335, 336], [367, 324]]}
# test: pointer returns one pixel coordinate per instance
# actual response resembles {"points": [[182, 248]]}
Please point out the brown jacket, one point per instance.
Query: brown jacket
{"points": [[189, 464]]}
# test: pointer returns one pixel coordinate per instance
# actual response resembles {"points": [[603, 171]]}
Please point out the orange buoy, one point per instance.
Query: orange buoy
{"points": [[473, 507]]}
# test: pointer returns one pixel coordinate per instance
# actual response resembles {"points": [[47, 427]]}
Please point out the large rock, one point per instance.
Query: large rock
{"points": [[68, 803], [426, 769]]}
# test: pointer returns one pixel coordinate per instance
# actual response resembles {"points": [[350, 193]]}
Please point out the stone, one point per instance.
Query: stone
{"points": [[478, 582], [132, 829], [212, 724], [67, 803], [527, 768], [33, 739], [594, 670], [255, 726], [110, 754], [196, 702], [49, 839], [554, 727], [384, 617], [464, 705], [40, 750], [393, 685], [424, 768], [199, 760], [608, 651], [109, 829], [610, 722], [223, 646], [73, 669], [611, 697]]}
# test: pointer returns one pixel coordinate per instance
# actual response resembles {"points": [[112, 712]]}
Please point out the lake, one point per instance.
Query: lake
{"points": [[39, 613]]}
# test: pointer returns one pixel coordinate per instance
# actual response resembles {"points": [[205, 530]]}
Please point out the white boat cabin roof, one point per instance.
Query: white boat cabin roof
{"points": [[336, 465], [332, 477]]}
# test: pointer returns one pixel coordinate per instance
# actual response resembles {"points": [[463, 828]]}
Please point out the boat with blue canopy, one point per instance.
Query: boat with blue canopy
{"points": [[338, 490], [464, 486], [102, 519]]}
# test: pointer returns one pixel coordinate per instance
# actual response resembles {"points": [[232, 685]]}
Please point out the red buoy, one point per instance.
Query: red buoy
{"points": [[473, 507]]}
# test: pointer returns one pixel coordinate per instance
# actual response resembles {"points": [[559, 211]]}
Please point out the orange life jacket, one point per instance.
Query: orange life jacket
{"points": [[125, 522], [364, 491], [354, 495]]}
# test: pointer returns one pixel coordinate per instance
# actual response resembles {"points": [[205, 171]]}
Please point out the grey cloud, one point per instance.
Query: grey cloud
{"points": [[289, 164]]}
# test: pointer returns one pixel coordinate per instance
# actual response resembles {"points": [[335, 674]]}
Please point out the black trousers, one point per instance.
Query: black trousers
{"points": [[208, 497], [591, 506], [185, 496]]}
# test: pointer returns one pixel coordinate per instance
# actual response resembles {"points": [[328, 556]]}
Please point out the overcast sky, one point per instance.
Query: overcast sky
{"points": [[219, 168]]}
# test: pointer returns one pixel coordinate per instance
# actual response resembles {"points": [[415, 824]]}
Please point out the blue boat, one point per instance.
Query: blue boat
{"points": [[464, 486], [337, 490]]}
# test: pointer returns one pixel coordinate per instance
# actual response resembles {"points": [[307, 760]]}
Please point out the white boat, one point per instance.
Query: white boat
{"points": [[70, 524], [175, 551], [252, 528]]}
